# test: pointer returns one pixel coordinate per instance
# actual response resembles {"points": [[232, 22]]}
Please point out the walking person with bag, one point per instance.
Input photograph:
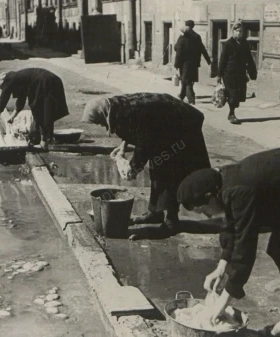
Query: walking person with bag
{"points": [[235, 61], [189, 48]]}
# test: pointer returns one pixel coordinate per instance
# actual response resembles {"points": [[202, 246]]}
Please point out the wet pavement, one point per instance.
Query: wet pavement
{"points": [[28, 234], [160, 266]]}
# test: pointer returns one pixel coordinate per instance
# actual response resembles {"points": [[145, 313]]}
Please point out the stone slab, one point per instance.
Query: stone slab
{"points": [[58, 203], [128, 301]]}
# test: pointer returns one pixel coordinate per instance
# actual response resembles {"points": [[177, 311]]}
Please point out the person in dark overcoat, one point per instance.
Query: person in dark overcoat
{"points": [[249, 194], [46, 98], [235, 61], [189, 48], [166, 132]]}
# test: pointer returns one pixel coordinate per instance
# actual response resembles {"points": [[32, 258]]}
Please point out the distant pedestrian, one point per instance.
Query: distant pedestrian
{"points": [[46, 98], [167, 133], [189, 48], [235, 61]]}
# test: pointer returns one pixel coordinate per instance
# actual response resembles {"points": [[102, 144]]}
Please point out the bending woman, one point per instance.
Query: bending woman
{"points": [[166, 132], [46, 98]]}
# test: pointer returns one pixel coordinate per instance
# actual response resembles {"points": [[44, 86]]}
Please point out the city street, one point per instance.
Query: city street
{"points": [[159, 267]]}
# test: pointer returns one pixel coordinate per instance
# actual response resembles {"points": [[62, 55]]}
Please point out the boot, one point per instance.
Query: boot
{"points": [[233, 120], [171, 223]]}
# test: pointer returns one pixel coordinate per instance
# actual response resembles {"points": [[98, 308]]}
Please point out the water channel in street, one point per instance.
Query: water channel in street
{"points": [[28, 234]]}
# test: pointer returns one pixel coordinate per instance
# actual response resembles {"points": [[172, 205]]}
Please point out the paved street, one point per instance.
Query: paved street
{"points": [[158, 267]]}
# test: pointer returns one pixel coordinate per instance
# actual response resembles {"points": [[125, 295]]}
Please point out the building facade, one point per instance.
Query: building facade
{"points": [[149, 29], [157, 25]]}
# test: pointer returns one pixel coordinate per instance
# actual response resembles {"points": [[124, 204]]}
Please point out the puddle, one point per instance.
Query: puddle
{"points": [[174, 267], [95, 169], [35, 237]]}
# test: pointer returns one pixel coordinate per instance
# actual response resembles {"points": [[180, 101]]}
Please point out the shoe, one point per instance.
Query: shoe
{"points": [[233, 120], [180, 97], [169, 226], [149, 218]]}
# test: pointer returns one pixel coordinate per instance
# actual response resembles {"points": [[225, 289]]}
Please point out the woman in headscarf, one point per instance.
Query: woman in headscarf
{"points": [[249, 194], [46, 98], [166, 132], [235, 61]]}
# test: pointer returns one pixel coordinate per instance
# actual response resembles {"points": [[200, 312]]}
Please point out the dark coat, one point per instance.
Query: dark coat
{"points": [[235, 61], [189, 49], [164, 130], [251, 197], [38, 85]]}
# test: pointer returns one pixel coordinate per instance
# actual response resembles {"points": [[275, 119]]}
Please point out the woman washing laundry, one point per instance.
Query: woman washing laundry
{"points": [[249, 194], [46, 98], [166, 132]]}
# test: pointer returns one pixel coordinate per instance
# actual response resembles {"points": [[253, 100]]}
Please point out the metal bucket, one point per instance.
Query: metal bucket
{"points": [[111, 215], [177, 329]]}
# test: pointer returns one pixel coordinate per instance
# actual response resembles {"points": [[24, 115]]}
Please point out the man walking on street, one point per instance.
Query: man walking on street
{"points": [[189, 48]]}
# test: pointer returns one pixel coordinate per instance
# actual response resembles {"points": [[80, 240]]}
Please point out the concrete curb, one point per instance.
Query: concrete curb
{"points": [[90, 255]]}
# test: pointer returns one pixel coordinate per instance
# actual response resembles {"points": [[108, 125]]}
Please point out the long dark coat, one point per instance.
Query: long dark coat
{"points": [[189, 49], [38, 85], [236, 59], [164, 130]]}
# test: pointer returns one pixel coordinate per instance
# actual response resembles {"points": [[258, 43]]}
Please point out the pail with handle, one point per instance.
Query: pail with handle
{"points": [[112, 210]]}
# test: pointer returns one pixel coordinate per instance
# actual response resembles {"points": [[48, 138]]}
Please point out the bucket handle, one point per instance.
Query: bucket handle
{"points": [[183, 292]]}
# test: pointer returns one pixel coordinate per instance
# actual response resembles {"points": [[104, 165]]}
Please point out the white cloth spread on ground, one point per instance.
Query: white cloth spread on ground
{"points": [[199, 316]]}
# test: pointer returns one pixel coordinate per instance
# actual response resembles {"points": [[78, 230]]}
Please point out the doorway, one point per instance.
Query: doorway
{"points": [[219, 33], [167, 46], [148, 41]]}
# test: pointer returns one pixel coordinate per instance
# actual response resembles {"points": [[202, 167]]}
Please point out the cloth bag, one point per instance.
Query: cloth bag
{"points": [[219, 96]]}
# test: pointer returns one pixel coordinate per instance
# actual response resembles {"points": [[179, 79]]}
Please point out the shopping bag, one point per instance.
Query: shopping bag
{"points": [[219, 96]]}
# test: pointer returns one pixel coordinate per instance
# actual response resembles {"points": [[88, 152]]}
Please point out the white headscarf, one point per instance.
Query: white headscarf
{"points": [[96, 111]]}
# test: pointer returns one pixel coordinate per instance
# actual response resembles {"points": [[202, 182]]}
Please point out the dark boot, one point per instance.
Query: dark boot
{"points": [[149, 217], [171, 223], [233, 120]]}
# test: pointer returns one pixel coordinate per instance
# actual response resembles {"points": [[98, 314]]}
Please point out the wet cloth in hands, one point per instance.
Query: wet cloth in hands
{"points": [[123, 166], [199, 316]]}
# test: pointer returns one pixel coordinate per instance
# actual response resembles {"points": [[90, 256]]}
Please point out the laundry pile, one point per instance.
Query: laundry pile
{"points": [[199, 317]]}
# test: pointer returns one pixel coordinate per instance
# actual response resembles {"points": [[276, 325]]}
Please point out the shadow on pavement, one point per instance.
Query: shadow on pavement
{"points": [[93, 92], [257, 120], [156, 232], [12, 51]]}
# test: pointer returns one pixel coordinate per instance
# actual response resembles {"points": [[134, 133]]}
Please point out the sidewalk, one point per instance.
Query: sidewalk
{"points": [[259, 118]]}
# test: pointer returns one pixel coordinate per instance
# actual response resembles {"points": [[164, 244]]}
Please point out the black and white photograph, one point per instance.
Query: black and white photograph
{"points": [[139, 168]]}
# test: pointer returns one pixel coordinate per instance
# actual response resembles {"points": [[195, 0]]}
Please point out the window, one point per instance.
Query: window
{"points": [[252, 33]]}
